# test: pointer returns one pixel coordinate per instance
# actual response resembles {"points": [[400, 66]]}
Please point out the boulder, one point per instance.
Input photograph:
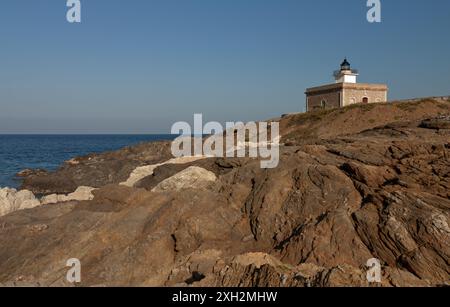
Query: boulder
{"points": [[147, 170], [191, 178], [12, 200]]}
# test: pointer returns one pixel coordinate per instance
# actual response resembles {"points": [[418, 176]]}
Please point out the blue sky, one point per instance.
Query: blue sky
{"points": [[138, 66]]}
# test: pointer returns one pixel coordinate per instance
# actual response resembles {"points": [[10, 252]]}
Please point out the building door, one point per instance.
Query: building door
{"points": [[365, 100]]}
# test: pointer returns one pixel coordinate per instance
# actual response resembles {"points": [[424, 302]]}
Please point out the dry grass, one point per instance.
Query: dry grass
{"points": [[366, 107], [320, 114], [412, 106], [328, 123], [444, 106], [408, 106]]}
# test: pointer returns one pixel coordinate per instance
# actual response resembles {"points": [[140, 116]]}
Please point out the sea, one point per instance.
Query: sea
{"points": [[19, 152]]}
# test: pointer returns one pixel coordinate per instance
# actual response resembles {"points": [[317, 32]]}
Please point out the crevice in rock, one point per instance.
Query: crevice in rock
{"points": [[196, 277], [295, 233], [174, 238]]}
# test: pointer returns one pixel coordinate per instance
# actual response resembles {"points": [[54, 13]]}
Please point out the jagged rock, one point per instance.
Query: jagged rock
{"points": [[262, 270], [345, 191], [12, 200], [374, 176]]}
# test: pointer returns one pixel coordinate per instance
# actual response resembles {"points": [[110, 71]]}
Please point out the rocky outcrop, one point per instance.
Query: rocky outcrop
{"points": [[378, 191], [97, 170], [307, 128], [438, 123], [135, 163], [31, 172], [12, 200], [263, 270]]}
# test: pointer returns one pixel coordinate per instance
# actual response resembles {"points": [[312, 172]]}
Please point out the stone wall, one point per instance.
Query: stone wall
{"points": [[331, 99], [354, 95]]}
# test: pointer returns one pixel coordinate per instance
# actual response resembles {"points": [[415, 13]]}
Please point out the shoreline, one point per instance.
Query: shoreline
{"points": [[50, 151]]}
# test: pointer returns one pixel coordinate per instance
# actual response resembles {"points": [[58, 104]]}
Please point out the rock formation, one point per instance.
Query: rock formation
{"points": [[193, 177], [12, 200], [97, 170], [346, 190], [80, 194], [147, 170]]}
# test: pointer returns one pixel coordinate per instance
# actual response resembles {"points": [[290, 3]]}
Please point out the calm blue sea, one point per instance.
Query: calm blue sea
{"points": [[18, 152]]}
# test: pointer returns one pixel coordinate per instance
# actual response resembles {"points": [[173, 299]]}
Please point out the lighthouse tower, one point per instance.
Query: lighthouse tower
{"points": [[346, 74]]}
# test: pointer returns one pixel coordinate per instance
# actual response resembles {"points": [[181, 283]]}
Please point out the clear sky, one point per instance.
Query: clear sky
{"points": [[138, 66]]}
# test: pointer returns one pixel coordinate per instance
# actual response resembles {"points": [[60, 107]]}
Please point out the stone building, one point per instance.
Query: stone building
{"points": [[345, 91]]}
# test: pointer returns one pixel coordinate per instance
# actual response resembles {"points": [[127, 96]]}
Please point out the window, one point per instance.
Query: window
{"points": [[365, 100], [323, 104]]}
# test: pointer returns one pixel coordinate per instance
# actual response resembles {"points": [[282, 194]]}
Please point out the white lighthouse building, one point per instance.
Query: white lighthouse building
{"points": [[345, 91]]}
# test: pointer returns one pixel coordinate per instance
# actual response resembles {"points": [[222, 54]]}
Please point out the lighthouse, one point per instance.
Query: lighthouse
{"points": [[346, 74], [345, 91]]}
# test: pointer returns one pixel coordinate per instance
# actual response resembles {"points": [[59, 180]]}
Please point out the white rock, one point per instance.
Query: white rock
{"points": [[49, 199], [11, 200], [81, 194], [144, 171], [191, 178]]}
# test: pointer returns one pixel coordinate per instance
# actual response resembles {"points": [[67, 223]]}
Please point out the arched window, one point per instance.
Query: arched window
{"points": [[365, 100]]}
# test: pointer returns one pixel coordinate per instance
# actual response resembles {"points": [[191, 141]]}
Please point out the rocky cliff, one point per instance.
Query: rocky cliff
{"points": [[368, 181]]}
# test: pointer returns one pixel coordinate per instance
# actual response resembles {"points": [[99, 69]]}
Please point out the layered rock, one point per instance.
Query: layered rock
{"points": [[332, 203], [263, 270]]}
